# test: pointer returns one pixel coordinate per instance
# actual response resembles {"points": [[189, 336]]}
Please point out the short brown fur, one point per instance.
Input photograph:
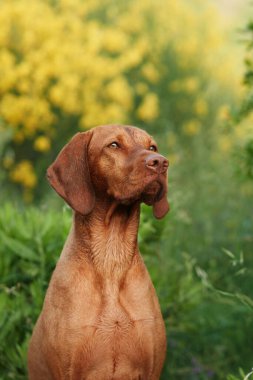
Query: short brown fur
{"points": [[101, 318]]}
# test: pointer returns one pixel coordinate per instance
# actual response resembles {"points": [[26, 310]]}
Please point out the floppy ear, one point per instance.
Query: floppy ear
{"points": [[161, 207], [69, 174]]}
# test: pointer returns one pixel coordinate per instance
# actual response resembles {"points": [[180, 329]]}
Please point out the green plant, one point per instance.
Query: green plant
{"points": [[209, 332], [30, 243]]}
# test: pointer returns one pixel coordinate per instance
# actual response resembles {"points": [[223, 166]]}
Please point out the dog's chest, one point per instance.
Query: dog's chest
{"points": [[120, 337], [111, 326]]}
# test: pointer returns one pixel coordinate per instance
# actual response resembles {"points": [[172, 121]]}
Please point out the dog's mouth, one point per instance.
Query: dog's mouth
{"points": [[152, 193]]}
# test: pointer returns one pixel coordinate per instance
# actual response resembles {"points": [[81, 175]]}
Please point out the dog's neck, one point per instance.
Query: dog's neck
{"points": [[107, 237]]}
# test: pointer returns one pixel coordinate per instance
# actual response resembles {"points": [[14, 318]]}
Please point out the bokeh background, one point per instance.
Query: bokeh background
{"points": [[183, 71]]}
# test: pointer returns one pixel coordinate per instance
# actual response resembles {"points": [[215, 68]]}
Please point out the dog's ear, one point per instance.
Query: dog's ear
{"points": [[69, 174], [161, 207]]}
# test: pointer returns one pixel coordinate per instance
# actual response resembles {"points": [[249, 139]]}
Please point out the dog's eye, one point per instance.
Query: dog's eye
{"points": [[153, 148], [114, 145]]}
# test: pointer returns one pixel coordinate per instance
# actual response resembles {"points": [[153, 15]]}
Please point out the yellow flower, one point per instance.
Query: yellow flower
{"points": [[19, 137], [114, 41], [24, 174], [243, 131], [92, 116], [8, 162], [56, 95], [192, 127], [191, 84], [188, 47], [118, 90], [42, 144], [114, 114], [141, 88], [223, 112], [8, 73], [131, 58], [150, 73], [201, 107], [149, 108]]}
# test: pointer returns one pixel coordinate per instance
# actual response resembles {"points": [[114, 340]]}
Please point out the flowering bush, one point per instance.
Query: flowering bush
{"points": [[245, 116], [70, 65]]}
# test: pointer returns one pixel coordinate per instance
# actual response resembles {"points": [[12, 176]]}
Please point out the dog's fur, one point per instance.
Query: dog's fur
{"points": [[101, 319]]}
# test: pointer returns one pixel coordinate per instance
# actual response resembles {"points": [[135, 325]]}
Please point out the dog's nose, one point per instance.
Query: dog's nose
{"points": [[157, 163]]}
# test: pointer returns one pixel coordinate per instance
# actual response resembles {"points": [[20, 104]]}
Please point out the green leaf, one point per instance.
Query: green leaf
{"points": [[18, 248], [228, 253]]}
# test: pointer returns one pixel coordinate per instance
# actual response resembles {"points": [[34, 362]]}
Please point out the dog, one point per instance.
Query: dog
{"points": [[101, 319]]}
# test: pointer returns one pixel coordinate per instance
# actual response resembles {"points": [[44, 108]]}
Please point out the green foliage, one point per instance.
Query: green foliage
{"points": [[241, 376], [248, 76], [244, 157], [205, 291], [245, 153], [30, 243], [204, 276]]}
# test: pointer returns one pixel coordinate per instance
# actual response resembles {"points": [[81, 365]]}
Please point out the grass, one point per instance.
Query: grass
{"points": [[199, 258]]}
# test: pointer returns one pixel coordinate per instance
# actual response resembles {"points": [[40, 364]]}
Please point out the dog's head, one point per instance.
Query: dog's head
{"points": [[118, 162]]}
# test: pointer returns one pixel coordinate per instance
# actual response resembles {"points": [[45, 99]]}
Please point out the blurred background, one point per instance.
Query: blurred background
{"points": [[183, 71]]}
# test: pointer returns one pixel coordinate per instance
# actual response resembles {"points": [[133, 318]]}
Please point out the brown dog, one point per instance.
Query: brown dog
{"points": [[101, 319]]}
